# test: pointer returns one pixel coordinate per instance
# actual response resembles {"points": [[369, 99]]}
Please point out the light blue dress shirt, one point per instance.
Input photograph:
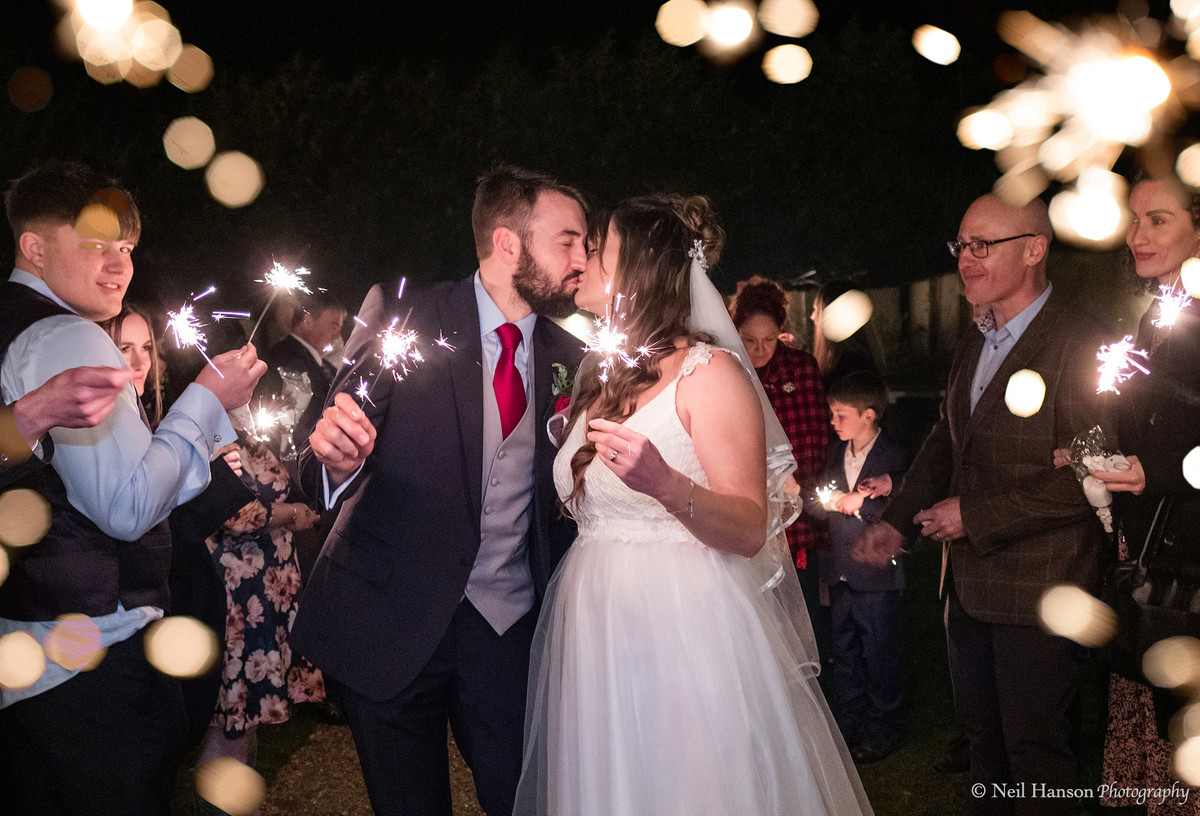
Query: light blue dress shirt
{"points": [[997, 343], [490, 319], [124, 478]]}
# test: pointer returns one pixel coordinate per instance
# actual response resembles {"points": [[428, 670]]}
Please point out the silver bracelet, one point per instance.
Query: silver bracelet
{"points": [[691, 505]]}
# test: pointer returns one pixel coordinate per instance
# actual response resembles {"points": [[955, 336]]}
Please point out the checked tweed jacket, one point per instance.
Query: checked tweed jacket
{"points": [[1027, 524]]}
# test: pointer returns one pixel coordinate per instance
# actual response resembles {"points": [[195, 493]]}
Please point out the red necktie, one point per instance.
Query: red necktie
{"points": [[510, 391]]}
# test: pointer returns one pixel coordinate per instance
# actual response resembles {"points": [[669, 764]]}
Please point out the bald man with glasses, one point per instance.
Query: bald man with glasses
{"points": [[1010, 524]]}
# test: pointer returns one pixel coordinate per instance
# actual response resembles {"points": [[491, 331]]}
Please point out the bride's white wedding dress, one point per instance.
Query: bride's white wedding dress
{"points": [[667, 679]]}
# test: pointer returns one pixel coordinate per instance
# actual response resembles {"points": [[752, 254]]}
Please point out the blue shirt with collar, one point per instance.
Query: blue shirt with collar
{"points": [[999, 342]]}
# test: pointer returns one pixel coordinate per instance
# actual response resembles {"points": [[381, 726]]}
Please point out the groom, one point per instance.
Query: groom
{"points": [[422, 605]]}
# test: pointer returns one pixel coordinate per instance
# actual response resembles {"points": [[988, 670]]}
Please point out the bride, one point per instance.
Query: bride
{"points": [[673, 665]]}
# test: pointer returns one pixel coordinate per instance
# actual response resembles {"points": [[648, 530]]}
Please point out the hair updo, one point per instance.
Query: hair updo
{"points": [[759, 296]]}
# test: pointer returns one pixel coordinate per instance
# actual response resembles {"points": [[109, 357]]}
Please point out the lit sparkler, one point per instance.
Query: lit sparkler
{"points": [[186, 327], [398, 349], [444, 343], [363, 392], [1171, 302], [1118, 363], [219, 316], [825, 493], [280, 279]]}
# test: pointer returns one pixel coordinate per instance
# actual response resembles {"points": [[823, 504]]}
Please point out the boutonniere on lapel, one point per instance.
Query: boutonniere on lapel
{"points": [[561, 387], [788, 387]]}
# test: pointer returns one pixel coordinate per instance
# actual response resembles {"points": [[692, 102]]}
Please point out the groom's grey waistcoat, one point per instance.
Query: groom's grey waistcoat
{"points": [[501, 585]]}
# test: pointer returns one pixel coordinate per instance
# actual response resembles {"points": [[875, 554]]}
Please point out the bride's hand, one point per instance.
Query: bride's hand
{"points": [[633, 458]]}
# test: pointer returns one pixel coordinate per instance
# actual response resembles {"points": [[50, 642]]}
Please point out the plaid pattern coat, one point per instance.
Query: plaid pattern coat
{"points": [[792, 381], [1027, 524]]}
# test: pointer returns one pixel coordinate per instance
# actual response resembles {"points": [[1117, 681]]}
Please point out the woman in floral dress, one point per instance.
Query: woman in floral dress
{"points": [[261, 677]]}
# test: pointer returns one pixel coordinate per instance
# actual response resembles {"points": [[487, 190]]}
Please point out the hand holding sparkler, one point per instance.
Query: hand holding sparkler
{"points": [[233, 375], [878, 545], [342, 439]]}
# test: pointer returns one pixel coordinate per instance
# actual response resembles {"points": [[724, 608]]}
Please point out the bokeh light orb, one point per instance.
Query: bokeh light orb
{"points": [[1173, 663], [936, 45], [230, 785], [1087, 217], [1069, 611], [73, 642], [578, 325], [1185, 762], [193, 71], [105, 15], [789, 18], [730, 24], [787, 64], [30, 89], [181, 646], [1189, 276], [1020, 185], [234, 179], [22, 661], [156, 44], [24, 517], [1191, 467], [189, 142], [848, 313], [1024, 393], [985, 129], [682, 22], [3, 565], [99, 222], [1187, 165], [1185, 724]]}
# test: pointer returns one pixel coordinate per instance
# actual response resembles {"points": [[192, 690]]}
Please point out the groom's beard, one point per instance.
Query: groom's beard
{"points": [[535, 287]]}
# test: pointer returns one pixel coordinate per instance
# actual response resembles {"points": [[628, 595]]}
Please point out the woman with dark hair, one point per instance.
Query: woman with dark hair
{"points": [[673, 668], [1158, 424], [133, 332], [838, 358]]}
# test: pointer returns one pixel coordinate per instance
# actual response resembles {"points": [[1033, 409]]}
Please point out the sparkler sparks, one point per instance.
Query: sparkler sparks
{"points": [[609, 342], [186, 327], [444, 343], [1118, 363], [398, 349], [219, 316], [1171, 302], [363, 392], [280, 279], [825, 493]]}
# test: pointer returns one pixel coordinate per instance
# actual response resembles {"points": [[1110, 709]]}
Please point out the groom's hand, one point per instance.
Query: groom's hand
{"points": [[342, 439]]}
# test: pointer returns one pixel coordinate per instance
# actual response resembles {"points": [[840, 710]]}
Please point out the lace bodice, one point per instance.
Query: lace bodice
{"points": [[608, 506]]}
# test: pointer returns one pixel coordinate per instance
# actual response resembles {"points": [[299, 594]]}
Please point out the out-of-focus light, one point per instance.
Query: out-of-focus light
{"points": [[1024, 393], [3, 565], [579, 326], [21, 660], [1114, 97], [1185, 724], [105, 14], [985, 130], [234, 179], [1086, 216], [1188, 165], [936, 45], [1185, 762], [189, 142], [30, 89], [1185, 9], [1019, 186], [1191, 468], [181, 646], [787, 64], [192, 72], [107, 73], [730, 25], [139, 76], [789, 18], [1173, 663], [1189, 276], [848, 313], [1068, 611], [230, 785], [103, 47], [156, 44], [98, 222], [24, 517], [73, 642], [682, 22]]}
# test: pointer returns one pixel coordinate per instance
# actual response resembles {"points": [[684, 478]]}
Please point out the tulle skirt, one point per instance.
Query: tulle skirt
{"points": [[671, 679]]}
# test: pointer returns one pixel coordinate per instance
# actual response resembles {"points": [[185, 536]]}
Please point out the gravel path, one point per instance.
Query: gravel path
{"points": [[323, 778]]}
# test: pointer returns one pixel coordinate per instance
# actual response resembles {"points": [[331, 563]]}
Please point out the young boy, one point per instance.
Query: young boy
{"points": [[863, 467]]}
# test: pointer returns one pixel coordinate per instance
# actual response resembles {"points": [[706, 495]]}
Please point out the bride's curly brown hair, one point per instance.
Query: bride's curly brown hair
{"points": [[652, 276]]}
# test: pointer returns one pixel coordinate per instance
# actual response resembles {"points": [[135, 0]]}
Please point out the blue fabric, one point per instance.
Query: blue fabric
{"points": [[999, 342], [868, 671]]}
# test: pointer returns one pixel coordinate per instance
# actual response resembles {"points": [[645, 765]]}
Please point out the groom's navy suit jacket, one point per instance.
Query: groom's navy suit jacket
{"points": [[395, 566]]}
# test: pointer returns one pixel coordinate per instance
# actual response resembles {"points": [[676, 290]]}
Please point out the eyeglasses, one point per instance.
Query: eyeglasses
{"points": [[980, 248]]}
